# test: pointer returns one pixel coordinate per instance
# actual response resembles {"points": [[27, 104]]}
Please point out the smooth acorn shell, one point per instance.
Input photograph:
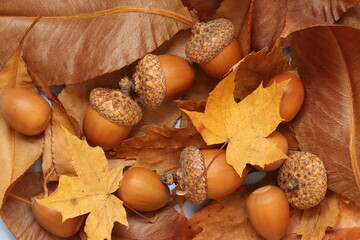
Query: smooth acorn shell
{"points": [[51, 221], [141, 189], [293, 96], [25, 111], [100, 131], [281, 143], [219, 65], [269, 212], [179, 76], [221, 178]]}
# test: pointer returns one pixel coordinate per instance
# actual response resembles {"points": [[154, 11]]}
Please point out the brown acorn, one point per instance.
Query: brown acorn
{"points": [[110, 117], [303, 179], [25, 111], [162, 78], [220, 179], [213, 46]]}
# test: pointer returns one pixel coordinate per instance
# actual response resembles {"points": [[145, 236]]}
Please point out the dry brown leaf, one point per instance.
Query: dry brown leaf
{"points": [[269, 17], [328, 124], [259, 67], [89, 40], [352, 17], [13, 210], [244, 125], [316, 220], [17, 151], [239, 12], [90, 191], [159, 149], [139, 228], [205, 9], [201, 88]]}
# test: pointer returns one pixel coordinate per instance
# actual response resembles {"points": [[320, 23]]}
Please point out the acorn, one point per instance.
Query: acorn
{"points": [[218, 181], [213, 46], [162, 78], [142, 190], [51, 220], [269, 212], [25, 111], [303, 179], [280, 141], [293, 96], [110, 117]]}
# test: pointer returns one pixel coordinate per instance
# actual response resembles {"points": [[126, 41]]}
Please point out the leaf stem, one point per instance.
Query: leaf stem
{"points": [[46, 180], [153, 220], [142, 9], [184, 192], [19, 198]]}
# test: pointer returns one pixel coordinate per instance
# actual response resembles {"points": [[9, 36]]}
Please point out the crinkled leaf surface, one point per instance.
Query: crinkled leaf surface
{"points": [[89, 192], [159, 149], [328, 124], [17, 151], [244, 125], [352, 17], [269, 17], [74, 41]]}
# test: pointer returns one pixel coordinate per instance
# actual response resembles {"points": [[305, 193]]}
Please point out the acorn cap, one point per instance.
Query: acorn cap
{"points": [[191, 168], [303, 179], [115, 106], [208, 39], [149, 81]]}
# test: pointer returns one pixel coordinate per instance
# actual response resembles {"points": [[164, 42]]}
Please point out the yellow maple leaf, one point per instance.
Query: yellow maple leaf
{"points": [[244, 125], [90, 191]]}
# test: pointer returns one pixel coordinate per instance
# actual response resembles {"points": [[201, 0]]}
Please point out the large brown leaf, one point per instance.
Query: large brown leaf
{"points": [[17, 151], [329, 123], [18, 215], [269, 17], [73, 42]]}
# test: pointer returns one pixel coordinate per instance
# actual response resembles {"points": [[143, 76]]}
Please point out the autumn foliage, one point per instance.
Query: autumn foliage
{"points": [[80, 46]]}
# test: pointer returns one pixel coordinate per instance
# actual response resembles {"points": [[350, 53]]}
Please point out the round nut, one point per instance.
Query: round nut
{"points": [[149, 80], [115, 106], [191, 168], [208, 39], [303, 179]]}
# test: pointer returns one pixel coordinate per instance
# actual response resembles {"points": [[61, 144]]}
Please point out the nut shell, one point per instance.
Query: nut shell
{"points": [[115, 106], [191, 167], [208, 39], [149, 80], [303, 179]]}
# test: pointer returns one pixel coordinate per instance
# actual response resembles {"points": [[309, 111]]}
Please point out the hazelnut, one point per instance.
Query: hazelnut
{"points": [[110, 117], [161, 78], [303, 179], [213, 46]]}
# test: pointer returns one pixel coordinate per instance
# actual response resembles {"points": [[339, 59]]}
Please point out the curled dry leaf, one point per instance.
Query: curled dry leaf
{"points": [[259, 67], [269, 18], [90, 191], [88, 40], [244, 125], [159, 149], [352, 17], [13, 210], [162, 229], [328, 124], [205, 9], [17, 151]]}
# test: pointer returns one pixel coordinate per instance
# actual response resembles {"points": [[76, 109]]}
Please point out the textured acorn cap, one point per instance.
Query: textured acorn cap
{"points": [[115, 106], [191, 167], [303, 179], [208, 39], [149, 81]]}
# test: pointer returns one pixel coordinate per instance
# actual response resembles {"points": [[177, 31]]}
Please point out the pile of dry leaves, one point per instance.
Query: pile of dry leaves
{"points": [[86, 45]]}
